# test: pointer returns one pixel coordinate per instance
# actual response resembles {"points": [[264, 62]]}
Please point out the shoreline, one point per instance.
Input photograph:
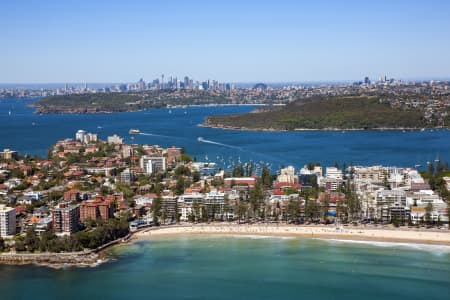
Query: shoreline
{"points": [[413, 236], [58, 260], [95, 257], [226, 127], [58, 110]]}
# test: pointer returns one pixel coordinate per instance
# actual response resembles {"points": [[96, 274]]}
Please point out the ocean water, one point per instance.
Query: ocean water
{"points": [[243, 267], [235, 267], [30, 133]]}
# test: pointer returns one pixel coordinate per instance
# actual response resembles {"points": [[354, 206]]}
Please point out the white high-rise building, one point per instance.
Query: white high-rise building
{"points": [[287, 175], [7, 221], [115, 139], [152, 164], [79, 136]]}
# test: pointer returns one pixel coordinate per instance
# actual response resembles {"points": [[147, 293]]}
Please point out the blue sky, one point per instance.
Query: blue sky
{"points": [[239, 41]]}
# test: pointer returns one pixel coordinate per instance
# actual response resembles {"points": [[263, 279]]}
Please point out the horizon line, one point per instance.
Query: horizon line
{"points": [[235, 82]]}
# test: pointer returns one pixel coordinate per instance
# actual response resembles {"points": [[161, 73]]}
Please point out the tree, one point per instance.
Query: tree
{"points": [[19, 246], [293, 209], [195, 176], [325, 205], [205, 215], [241, 210], [430, 169], [428, 211], [266, 178], [196, 210], [156, 209], [410, 223], [353, 203], [256, 198], [31, 240], [46, 238], [182, 170], [238, 171], [2, 244], [395, 221], [186, 158], [179, 187]]}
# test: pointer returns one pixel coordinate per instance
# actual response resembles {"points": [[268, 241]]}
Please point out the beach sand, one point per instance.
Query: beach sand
{"points": [[438, 237]]}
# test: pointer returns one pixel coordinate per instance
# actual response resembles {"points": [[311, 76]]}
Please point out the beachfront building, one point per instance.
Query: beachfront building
{"points": [[189, 205], [423, 199], [169, 206], [66, 219], [366, 193], [7, 221], [215, 205], [391, 204]]}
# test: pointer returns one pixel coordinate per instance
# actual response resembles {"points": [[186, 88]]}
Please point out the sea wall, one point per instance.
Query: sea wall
{"points": [[56, 260], [51, 259]]}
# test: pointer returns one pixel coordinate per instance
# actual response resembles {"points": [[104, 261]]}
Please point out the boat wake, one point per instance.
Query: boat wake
{"points": [[154, 134], [202, 140], [436, 249]]}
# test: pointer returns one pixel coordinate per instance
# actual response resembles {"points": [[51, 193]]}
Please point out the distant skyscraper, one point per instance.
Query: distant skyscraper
{"points": [[366, 80], [141, 84]]}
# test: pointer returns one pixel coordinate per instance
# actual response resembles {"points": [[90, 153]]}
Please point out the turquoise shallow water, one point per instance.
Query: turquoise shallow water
{"points": [[244, 267]]}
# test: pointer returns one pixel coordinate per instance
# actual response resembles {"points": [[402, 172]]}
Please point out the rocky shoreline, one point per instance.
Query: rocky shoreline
{"points": [[227, 127], [87, 258], [54, 260]]}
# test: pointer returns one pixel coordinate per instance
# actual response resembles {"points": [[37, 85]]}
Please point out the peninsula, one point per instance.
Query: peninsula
{"points": [[357, 112], [125, 102]]}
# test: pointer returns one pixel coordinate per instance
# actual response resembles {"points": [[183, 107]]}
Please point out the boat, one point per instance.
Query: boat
{"points": [[135, 131]]}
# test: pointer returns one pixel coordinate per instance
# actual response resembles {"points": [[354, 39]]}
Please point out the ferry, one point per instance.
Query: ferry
{"points": [[135, 131]]}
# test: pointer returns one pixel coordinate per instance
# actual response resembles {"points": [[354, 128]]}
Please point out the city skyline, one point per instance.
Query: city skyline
{"points": [[290, 41]]}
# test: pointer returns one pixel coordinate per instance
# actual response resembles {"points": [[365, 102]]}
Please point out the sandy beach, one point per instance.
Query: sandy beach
{"points": [[438, 237]]}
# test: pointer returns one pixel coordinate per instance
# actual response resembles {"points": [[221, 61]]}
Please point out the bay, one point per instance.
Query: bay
{"points": [[214, 267], [243, 267], [31, 133]]}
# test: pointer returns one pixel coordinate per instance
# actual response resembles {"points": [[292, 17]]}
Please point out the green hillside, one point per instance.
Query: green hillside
{"points": [[352, 112]]}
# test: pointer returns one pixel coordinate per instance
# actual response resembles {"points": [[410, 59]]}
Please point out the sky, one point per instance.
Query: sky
{"points": [[231, 41]]}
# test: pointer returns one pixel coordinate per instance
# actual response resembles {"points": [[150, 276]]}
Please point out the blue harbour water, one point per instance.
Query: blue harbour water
{"points": [[219, 267], [243, 267], [31, 133]]}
